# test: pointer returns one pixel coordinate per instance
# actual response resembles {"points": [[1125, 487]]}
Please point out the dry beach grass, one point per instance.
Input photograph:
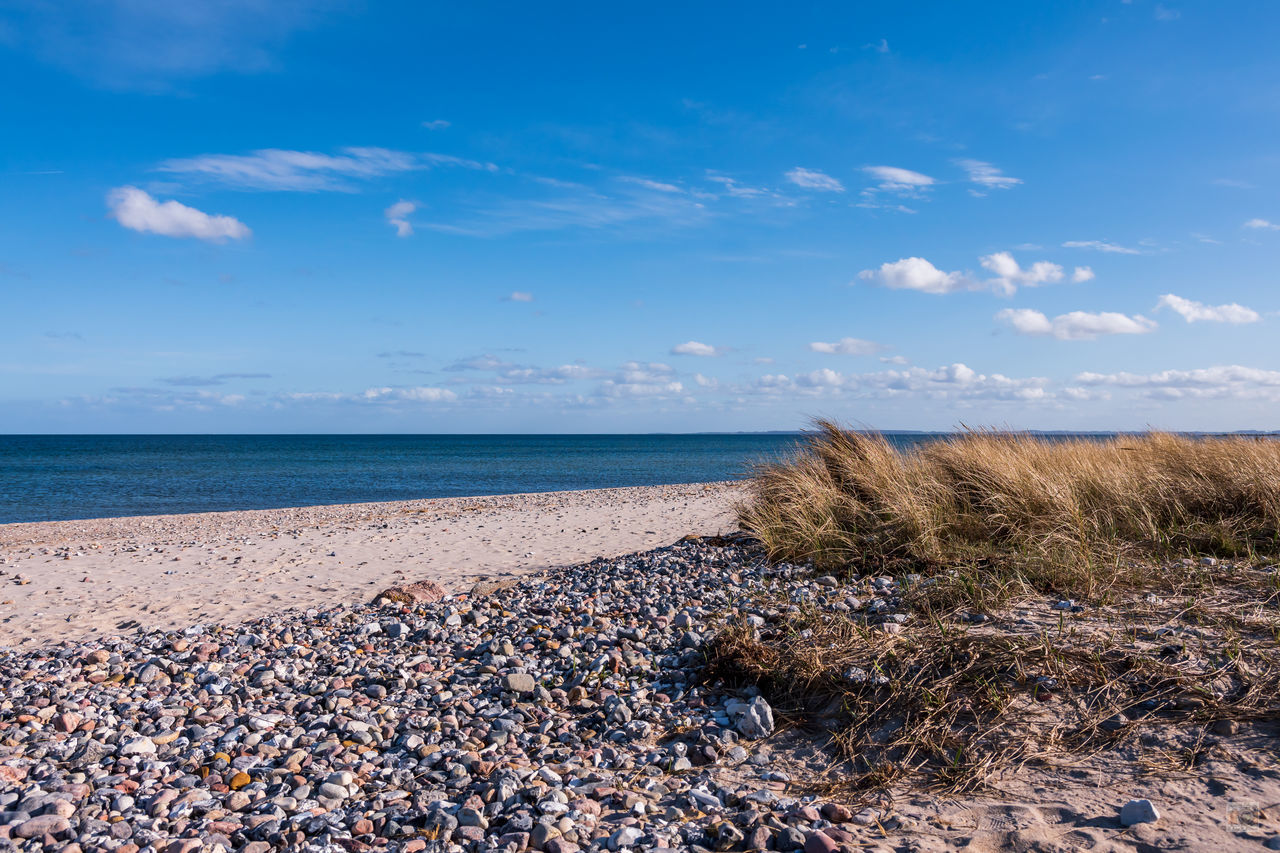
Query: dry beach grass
{"points": [[1037, 601], [1017, 513]]}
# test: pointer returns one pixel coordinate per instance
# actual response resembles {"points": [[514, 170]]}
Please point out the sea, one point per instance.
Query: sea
{"points": [[62, 477], [65, 477]]}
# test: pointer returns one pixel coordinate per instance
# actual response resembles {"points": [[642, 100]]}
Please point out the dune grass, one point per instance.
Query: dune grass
{"points": [[986, 520], [1071, 517]]}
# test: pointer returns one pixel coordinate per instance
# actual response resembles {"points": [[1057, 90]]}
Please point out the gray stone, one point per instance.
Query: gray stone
{"points": [[519, 682]]}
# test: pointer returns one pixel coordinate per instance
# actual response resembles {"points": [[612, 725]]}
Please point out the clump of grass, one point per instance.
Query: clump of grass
{"points": [[1073, 516], [957, 707]]}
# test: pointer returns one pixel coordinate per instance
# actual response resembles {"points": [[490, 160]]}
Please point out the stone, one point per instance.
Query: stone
{"points": [[1226, 728], [519, 682], [625, 837], [820, 842], [138, 746], [757, 720], [38, 827], [418, 592], [837, 813], [1138, 811]]}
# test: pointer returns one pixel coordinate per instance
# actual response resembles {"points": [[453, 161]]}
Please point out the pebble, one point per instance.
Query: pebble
{"points": [[1138, 811], [563, 712]]}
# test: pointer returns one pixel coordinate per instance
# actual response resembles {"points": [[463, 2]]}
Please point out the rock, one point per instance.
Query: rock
{"points": [[518, 682], [625, 837], [38, 827], [820, 842], [757, 720], [837, 813], [1226, 728], [1138, 811], [138, 746], [418, 592], [789, 838]]}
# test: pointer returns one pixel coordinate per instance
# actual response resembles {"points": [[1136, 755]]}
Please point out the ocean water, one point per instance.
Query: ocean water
{"points": [[45, 478]]}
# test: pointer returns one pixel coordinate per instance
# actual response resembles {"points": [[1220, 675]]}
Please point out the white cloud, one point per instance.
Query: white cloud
{"points": [[1082, 274], [694, 348], [138, 211], [1192, 311], [812, 179], [309, 171], [550, 375], [987, 175], [1009, 275], [398, 215], [919, 274], [895, 179], [894, 359], [957, 382], [519, 296], [1262, 225], [1202, 383], [1076, 325], [418, 394], [436, 124], [916, 274], [1101, 246], [848, 346]]}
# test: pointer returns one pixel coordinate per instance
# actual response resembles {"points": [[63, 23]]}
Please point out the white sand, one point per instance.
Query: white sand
{"points": [[87, 578]]}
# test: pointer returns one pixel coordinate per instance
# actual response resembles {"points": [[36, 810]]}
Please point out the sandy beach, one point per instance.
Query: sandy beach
{"points": [[83, 579]]}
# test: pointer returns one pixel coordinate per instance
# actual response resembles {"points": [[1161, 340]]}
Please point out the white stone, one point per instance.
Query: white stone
{"points": [[1138, 811]]}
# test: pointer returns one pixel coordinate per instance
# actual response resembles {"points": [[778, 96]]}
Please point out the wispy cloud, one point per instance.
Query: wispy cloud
{"points": [[204, 381], [848, 346], [560, 206], [153, 45], [1101, 246], [436, 124], [280, 170], [1194, 312], [898, 180], [696, 348], [1076, 325], [647, 183], [987, 176], [731, 186], [812, 179], [138, 211], [1262, 225], [398, 216], [518, 296]]}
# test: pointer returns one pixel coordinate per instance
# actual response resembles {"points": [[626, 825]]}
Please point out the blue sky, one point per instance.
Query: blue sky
{"points": [[322, 216]]}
